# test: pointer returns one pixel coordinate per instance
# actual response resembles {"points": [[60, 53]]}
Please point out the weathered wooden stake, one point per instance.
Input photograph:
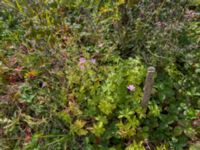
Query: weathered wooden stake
{"points": [[148, 86]]}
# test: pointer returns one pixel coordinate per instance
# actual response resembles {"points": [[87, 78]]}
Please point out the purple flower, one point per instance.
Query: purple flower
{"points": [[93, 61], [82, 60], [131, 87]]}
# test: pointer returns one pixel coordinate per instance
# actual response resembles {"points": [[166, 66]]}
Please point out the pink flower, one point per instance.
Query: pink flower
{"points": [[131, 87], [82, 60], [93, 61]]}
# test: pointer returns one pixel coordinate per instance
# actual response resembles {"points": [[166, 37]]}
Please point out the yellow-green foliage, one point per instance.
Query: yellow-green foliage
{"points": [[72, 74]]}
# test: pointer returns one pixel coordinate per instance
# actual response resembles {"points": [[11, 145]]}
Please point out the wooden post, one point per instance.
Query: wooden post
{"points": [[148, 86]]}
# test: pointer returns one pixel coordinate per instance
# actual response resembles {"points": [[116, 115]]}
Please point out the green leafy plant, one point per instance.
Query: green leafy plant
{"points": [[72, 74]]}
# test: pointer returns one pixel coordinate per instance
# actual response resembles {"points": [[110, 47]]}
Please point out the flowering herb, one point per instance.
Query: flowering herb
{"points": [[131, 87], [93, 60], [82, 60]]}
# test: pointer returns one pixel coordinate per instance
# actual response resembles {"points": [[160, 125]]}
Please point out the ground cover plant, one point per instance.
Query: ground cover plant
{"points": [[72, 74]]}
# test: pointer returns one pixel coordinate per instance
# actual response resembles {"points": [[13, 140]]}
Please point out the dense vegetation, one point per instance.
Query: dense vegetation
{"points": [[72, 74]]}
